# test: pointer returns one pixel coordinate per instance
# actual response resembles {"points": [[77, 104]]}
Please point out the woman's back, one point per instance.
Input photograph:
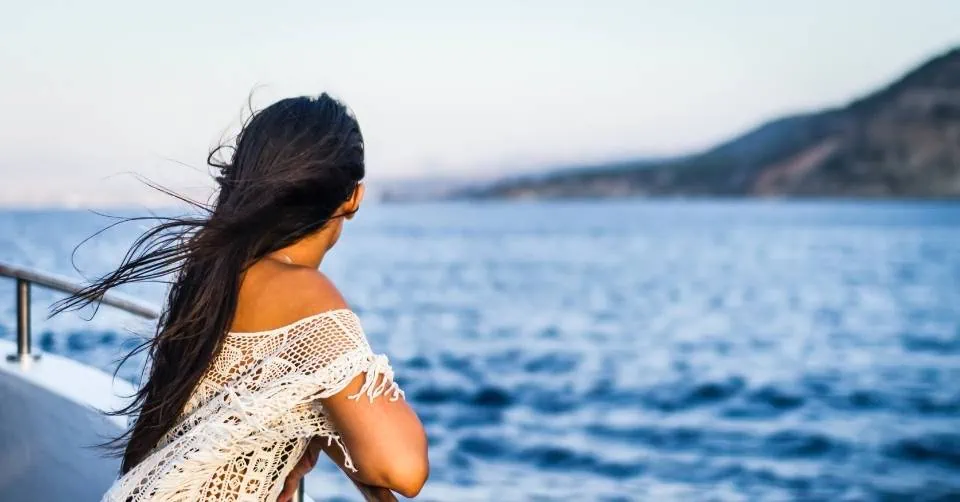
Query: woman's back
{"points": [[249, 393], [274, 293], [259, 403]]}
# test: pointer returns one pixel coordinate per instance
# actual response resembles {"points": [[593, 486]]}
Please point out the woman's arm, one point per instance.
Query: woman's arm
{"points": [[374, 493], [385, 439], [370, 493], [309, 460]]}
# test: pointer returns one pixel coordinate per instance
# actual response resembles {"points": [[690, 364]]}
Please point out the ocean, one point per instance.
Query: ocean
{"points": [[626, 350]]}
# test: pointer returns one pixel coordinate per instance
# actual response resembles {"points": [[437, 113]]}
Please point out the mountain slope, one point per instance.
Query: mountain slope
{"points": [[901, 141]]}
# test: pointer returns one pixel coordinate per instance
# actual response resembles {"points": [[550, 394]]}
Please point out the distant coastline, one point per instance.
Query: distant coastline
{"points": [[902, 141]]}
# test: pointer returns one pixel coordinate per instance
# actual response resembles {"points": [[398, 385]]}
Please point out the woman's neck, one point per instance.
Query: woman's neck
{"points": [[307, 252]]}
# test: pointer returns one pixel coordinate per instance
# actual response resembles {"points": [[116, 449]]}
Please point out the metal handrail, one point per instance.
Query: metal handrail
{"points": [[25, 277], [65, 285]]}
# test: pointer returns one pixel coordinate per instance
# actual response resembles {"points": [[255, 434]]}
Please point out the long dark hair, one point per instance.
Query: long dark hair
{"points": [[293, 164]]}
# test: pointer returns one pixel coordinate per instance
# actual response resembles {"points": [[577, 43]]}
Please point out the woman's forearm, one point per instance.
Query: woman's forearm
{"points": [[336, 455], [370, 491], [374, 493]]}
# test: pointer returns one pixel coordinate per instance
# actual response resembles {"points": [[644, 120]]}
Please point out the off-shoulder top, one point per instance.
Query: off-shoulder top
{"points": [[249, 419]]}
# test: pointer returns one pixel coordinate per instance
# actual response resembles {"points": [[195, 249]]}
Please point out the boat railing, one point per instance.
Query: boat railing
{"points": [[26, 277]]}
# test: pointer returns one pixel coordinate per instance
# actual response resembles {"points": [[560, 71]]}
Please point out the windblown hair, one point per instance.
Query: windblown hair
{"points": [[293, 164]]}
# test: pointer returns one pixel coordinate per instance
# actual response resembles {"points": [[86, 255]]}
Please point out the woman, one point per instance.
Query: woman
{"points": [[258, 364]]}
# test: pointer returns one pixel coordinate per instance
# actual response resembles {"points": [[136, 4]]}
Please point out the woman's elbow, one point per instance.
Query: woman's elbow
{"points": [[408, 476]]}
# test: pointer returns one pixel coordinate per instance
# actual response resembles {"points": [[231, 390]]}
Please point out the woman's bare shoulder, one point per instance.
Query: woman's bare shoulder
{"points": [[280, 294]]}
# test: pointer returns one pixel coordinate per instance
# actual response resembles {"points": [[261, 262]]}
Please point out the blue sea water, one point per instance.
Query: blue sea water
{"points": [[629, 350]]}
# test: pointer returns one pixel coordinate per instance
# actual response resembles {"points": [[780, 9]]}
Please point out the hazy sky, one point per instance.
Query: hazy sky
{"points": [[91, 90]]}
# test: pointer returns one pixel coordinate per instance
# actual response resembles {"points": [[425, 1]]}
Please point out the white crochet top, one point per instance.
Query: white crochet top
{"points": [[250, 418]]}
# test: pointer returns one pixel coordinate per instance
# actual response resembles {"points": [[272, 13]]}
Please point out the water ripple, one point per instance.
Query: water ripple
{"points": [[631, 350]]}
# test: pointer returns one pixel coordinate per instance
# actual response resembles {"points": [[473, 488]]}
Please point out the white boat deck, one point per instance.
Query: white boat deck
{"points": [[49, 429]]}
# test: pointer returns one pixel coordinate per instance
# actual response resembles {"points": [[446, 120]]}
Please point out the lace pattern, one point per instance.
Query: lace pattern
{"points": [[250, 418]]}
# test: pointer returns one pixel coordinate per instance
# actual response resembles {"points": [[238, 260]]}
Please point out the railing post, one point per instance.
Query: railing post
{"points": [[23, 322], [298, 495]]}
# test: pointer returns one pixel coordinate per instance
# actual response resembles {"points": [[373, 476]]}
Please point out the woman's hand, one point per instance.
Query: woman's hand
{"points": [[304, 465]]}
